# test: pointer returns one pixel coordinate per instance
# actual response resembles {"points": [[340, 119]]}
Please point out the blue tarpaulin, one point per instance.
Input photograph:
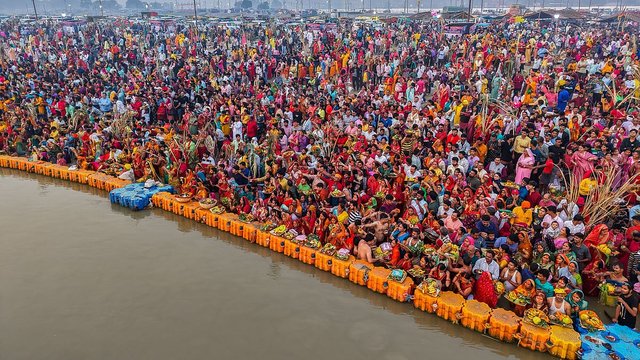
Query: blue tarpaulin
{"points": [[136, 196]]}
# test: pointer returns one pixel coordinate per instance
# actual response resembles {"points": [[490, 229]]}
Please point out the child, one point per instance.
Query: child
{"points": [[552, 231]]}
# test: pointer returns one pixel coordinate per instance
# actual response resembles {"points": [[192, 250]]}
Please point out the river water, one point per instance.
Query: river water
{"points": [[83, 279]]}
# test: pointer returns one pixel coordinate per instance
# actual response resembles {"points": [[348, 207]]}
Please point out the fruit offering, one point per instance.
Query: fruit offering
{"points": [[313, 243], [342, 254], [416, 272], [217, 210], [328, 249], [430, 287], [292, 234], [380, 254], [561, 319], [279, 230], [268, 227], [247, 218], [590, 321], [518, 299], [536, 317]]}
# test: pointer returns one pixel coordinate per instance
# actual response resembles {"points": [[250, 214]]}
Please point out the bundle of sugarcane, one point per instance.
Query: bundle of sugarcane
{"points": [[32, 114], [604, 200], [506, 109], [618, 100], [77, 118]]}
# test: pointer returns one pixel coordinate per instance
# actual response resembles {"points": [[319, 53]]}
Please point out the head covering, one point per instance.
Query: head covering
{"points": [[581, 304], [559, 291], [526, 205]]}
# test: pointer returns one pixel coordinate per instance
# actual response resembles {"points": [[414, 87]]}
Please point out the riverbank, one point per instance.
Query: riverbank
{"points": [[499, 324]]}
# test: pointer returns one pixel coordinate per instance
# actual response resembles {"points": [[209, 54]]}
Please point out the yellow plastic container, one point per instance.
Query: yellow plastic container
{"points": [[170, 204], [33, 166], [307, 255], [291, 249], [425, 302], [249, 232], [201, 215], [60, 172], [22, 164], [564, 342], [340, 268], [37, 167], [608, 300], [209, 217], [224, 222], [4, 161], [215, 220], [359, 272], [157, 199], [112, 183], [475, 315], [237, 227], [276, 243], [79, 176], [323, 261], [378, 279], [167, 204], [400, 291], [95, 180], [533, 337], [503, 324], [55, 171], [263, 238], [13, 163], [47, 170], [449, 305], [187, 210]]}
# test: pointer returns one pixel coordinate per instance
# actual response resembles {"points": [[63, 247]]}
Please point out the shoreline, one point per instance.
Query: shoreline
{"points": [[499, 323]]}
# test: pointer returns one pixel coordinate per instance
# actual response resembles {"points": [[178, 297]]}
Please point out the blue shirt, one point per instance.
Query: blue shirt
{"points": [[546, 288], [105, 105], [400, 237], [503, 241], [563, 99], [489, 229]]}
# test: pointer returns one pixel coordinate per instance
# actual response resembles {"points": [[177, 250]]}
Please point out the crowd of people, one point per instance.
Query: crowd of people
{"points": [[470, 159]]}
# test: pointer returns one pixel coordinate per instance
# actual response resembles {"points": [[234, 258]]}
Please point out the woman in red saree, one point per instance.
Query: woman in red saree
{"points": [[592, 276], [598, 236], [484, 290], [443, 96]]}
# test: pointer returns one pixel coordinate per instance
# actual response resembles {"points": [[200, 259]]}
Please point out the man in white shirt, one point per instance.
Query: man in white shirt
{"points": [[567, 210], [487, 264], [445, 209], [412, 173], [454, 165], [496, 166], [575, 226], [380, 158]]}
